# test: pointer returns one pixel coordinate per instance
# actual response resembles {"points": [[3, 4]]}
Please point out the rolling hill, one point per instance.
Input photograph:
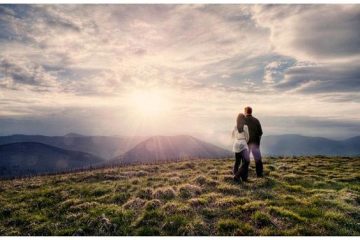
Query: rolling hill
{"points": [[108, 147], [103, 146], [301, 145], [161, 148], [29, 158]]}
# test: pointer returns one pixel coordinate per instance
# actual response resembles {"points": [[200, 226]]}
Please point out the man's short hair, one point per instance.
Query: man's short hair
{"points": [[248, 110]]}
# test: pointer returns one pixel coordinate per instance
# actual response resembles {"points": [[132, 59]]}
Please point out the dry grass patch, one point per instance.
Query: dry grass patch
{"points": [[145, 193], [284, 213], [166, 193], [229, 189], [134, 204], [174, 180], [188, 191], [177, 208], [152, 204], [213, 172], [83, 206], [232, 227], [197, 202], [230, 201]]}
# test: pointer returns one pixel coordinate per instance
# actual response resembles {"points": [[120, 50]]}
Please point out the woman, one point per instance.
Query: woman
{"points": [[240, 135]]}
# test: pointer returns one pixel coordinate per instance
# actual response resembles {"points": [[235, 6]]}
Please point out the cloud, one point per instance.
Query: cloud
{"points": [[171, 42], [274, 71], [308, 32], [322, 78], [323, 39], [278, 58], [343, 97], [17, 75], [150, 44]]}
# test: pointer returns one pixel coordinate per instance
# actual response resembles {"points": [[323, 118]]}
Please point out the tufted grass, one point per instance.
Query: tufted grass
{"points": [[297, 196]]}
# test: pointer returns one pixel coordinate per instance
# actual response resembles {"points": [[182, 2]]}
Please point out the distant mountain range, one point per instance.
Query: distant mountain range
{"points": [[30, 158], [160, 148], [103, 146], [292, 144], [33, 154], [19, 157]]}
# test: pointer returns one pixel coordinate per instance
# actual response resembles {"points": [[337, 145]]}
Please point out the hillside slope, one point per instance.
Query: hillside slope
{"points": [[160, 148], [28, 158], [297, 196]]}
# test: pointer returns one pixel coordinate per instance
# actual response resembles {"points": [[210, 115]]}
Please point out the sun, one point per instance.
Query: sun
{"points": [[148, 103]]}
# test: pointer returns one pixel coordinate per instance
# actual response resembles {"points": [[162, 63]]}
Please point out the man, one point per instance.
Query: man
{"points": [[255, 132]]}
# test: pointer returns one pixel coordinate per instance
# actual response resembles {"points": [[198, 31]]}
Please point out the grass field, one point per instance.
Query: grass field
{"points": [[297, 196]]}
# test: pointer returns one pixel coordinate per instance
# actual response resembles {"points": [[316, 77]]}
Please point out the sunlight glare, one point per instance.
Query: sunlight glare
{"points": [[148, 103]]}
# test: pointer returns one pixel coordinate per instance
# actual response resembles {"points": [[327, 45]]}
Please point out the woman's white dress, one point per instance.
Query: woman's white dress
{"points": [[240, 139]]}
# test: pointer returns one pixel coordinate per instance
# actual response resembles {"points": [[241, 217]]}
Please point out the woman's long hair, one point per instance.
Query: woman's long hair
{"points": [[240, 122]]}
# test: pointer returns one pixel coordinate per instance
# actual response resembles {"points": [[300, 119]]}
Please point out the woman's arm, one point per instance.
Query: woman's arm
{"points": [[246, 133]]}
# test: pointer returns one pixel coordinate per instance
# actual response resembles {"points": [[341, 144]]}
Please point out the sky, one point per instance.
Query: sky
{"points": [[179, 69]]}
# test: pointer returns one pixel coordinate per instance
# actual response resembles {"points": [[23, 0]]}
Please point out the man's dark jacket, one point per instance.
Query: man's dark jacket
{"points": [[255, 130]]}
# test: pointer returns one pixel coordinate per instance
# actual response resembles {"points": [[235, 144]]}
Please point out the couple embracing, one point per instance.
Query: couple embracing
{"points": [[247, 135]]}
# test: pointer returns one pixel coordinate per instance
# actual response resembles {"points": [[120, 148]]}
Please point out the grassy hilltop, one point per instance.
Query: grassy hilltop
{"points": [[298, 196]]}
